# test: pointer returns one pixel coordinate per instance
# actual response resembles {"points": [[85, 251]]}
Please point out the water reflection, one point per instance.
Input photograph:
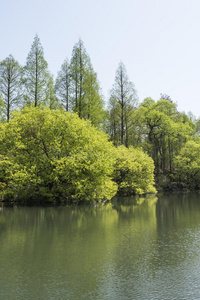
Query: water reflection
{"points": [[132, 248]]}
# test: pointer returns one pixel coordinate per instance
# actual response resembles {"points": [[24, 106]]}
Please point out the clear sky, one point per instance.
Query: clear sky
{"points": [[157, 40]]}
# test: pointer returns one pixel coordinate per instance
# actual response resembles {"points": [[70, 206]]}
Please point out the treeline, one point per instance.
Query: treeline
{"points": [[34, 159], [76, 87]]}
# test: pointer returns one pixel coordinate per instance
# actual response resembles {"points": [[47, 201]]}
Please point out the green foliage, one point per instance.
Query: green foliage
{"points": [[10, 82], [51, 99], [93, 110], [188, 164], [34, 155], [55, 155], [85, 98], [36, 76], [122, 103], [133, 172], [161, 131], [2, 108], [63, 85]]}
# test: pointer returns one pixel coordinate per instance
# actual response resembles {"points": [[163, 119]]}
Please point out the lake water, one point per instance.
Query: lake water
{"points": [[132, 248]]}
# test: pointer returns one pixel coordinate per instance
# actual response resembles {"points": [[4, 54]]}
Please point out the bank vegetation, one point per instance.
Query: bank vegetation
{"points": [[59, 143]]}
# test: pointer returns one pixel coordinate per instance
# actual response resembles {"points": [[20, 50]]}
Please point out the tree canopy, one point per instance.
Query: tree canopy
{"points": [[51, 153]]}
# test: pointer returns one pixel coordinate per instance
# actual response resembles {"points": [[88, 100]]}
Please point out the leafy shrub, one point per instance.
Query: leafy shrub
{"points": [[188, 165], [133, 171], [52, 154]]}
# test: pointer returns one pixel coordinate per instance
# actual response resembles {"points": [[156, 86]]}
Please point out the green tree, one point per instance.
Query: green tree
{"points": [[191, 117], [36, 75], [10, 78], [78, 66], [53, 154], [134, 172], [85, 91], [123, 100], [94, 102], [188, 165], [163, 131], [63, 84]]}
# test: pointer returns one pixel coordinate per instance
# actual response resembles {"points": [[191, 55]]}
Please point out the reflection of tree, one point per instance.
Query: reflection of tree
{"points": [[68, 244], [83, 251], [130, 204], [174, 210], [177, 218]]}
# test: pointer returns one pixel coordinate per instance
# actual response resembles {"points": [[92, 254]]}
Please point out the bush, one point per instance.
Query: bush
{"points": [[133, 172], [52, 154], [188, 165]]}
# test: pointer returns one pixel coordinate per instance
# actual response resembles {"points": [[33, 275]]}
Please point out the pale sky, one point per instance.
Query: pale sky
{"points": [[157, 40]]}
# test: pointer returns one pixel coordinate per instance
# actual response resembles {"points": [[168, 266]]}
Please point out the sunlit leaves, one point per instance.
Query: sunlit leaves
{"points": [[133, 171], [55, 155], [161, 131], [188, 164]]}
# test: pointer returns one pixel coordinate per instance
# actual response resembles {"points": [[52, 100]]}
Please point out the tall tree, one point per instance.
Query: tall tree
{"points": [[36, 75], [78, 65], [63, 84], [85, 91], [10, 76], [123, 99]]}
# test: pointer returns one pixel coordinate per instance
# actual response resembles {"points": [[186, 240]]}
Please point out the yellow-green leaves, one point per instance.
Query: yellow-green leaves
{"points": [[161, 131], [133, 171], [188, 165], [54, 154]]}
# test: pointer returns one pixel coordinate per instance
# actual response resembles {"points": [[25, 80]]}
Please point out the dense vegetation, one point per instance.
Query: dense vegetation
{"points": [[59, 143], [54, 155]]}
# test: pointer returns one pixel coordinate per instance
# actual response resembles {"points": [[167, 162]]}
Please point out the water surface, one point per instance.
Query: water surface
{"points": [[147, 248]]}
